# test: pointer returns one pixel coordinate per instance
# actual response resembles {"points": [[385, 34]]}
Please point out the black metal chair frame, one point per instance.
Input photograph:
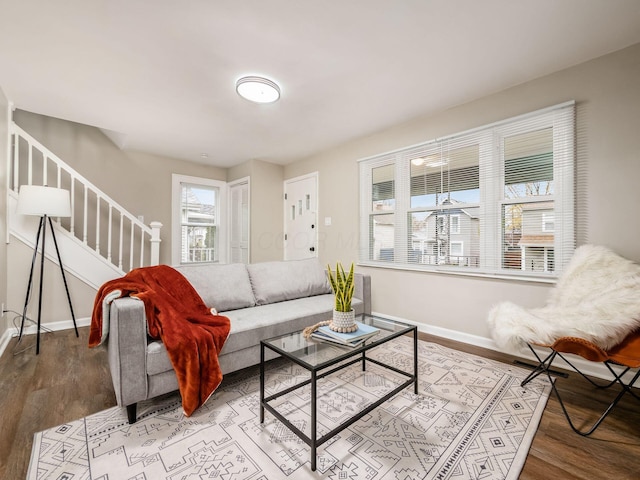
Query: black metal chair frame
{"points": [[544, 366]]}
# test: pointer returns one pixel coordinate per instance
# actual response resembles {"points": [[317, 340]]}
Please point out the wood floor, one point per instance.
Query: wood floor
{"points": [[68, 381]]}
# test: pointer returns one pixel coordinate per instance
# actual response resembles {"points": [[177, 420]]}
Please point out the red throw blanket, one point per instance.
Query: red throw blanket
{"points": [[176, 314]]}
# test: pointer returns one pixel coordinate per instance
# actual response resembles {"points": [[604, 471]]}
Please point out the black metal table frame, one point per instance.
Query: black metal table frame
{"points": [[359, 352]]}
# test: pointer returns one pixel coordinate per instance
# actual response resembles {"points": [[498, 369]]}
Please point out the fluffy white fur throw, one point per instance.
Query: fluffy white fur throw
{"points": [[596, 298]]}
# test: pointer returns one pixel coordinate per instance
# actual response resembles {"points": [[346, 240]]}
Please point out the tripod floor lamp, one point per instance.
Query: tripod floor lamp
{"points": [[45, 202]]}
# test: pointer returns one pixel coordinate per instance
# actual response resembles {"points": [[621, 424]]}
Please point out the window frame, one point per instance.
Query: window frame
{"points": [[490, 139], [177, 181]]}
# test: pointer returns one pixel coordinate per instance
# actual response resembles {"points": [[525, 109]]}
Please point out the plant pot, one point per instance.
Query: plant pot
{"points": [[344, 322]]}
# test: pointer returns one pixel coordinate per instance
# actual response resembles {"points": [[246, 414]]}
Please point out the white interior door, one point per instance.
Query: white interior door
{"points": [[301, 217], [239, 222]]}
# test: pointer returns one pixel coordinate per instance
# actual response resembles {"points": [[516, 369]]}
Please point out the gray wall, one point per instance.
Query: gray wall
{"points": [[55, 307], [266, 208], [141, 183], [4, 117], [138, 181], [607, 92], [146, 187]]}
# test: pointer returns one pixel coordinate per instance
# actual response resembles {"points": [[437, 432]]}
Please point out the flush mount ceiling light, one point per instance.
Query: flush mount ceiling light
{"points": [[258, 89]]}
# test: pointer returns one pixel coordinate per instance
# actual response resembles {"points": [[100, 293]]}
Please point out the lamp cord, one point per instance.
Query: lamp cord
{"points": [[17, 319]]}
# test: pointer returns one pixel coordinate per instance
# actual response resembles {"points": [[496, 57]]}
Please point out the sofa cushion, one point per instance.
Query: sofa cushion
{"points": [[224, 287], [250, 325], [279, 281], [157, 358]]}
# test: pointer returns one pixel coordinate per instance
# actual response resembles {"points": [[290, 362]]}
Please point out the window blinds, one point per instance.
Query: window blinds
{"points": [[495, 200]]}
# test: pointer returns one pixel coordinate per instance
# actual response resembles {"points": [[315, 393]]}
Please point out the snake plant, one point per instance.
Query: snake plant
{"points": [[342, 286]]}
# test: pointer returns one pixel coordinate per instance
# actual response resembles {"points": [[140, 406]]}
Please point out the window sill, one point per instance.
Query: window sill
{"points": [[531, 278]]}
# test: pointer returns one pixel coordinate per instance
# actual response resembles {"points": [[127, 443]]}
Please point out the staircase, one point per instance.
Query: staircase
{"points": [[101, 240]]}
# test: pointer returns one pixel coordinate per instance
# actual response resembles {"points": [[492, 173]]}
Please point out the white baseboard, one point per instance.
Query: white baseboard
{"points": [[32, 329], [4, 341], [594, 369]]}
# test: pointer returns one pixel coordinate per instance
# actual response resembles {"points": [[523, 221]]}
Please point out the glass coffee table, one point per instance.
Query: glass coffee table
{"points": [[322, 359]]}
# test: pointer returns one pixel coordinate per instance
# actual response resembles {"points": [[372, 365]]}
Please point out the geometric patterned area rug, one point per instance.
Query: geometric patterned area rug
{"points": [[470, 420]]}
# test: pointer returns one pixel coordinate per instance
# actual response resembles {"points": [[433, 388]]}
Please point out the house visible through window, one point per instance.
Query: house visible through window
{"points": [[494, 200], [548, 222], [198, 226]]}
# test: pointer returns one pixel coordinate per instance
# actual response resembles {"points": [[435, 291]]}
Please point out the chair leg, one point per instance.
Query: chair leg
{"points": [[586, 433], [543, 366], [132, 413], [626, 388], [612, 382]]}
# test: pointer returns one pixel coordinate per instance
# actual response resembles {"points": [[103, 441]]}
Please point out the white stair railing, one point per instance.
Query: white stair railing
{"points": [[97, 221]]}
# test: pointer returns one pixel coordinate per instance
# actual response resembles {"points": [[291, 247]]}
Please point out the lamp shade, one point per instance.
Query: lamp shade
{"points": [[38, 200]]}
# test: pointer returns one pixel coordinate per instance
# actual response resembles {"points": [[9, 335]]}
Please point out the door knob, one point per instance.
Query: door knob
{"points": [[312, 249]]}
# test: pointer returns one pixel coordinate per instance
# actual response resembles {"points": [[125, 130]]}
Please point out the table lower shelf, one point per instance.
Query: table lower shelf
{"points": [[312, 440]]}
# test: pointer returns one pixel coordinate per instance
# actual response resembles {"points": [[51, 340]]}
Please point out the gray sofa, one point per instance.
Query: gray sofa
{"points": [[262, 300]]}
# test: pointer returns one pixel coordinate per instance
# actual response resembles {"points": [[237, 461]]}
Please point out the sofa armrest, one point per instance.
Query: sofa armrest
{"points": [[127, 350], [362, 290]]}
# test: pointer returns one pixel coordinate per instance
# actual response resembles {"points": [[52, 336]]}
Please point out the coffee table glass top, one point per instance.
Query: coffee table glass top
{"points": [[316, 353]]}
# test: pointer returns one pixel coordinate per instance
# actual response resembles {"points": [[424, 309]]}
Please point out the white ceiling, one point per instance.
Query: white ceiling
{"points": [[160, 74]]}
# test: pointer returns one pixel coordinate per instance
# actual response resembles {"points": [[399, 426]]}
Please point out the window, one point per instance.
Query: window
{"points": [[455, 224], [548, 222], [495, 200], [198, 224], [457, 249]]}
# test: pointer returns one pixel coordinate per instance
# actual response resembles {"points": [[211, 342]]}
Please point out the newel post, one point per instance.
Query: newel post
{"points": [[155, 242]]}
